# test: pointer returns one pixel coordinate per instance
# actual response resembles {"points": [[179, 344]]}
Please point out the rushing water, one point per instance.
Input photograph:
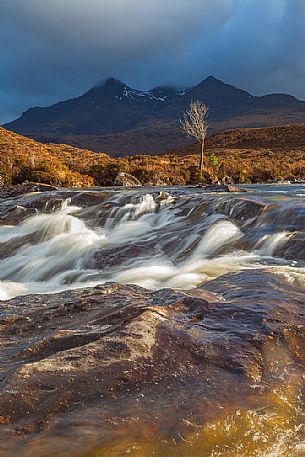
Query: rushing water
{"points": [[153, 239], [167, 238]]}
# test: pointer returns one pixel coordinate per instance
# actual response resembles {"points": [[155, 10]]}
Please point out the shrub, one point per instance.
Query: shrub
{"points": [[194, 175], [43, 173], [144, 175], [104, 175], [213, 160]]}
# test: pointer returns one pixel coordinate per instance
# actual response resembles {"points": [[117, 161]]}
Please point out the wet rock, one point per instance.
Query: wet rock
{"points": [[96, 215], [88, 199], [293, 248], [118, 355], [241, 209], [11, 246], [291, 218], [16, 214], [114, 344], [20, 189], [126, 180], [18, 206], [108, 258], [16, 210], [45, 203], [228, 180], [225, 188]]}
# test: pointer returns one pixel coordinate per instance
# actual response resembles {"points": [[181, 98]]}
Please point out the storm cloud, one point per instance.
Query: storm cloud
{"points": [[56, 49]]}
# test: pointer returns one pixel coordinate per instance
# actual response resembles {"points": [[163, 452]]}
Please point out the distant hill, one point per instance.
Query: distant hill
{"points": [[278, 138], [113, 117]]}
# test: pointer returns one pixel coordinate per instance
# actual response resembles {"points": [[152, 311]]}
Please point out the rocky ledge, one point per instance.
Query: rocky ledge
{"points": [[126, 180], [130, 354], [21, 189], [122, 180]]}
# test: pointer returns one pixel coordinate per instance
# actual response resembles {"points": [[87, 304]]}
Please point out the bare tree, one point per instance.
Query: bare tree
{"points": [[194, 124]]}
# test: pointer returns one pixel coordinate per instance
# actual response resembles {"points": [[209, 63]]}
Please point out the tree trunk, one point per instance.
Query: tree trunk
{"points": [[201, 158]]}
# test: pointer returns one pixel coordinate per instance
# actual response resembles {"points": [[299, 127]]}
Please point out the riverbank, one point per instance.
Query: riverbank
{"points": [[22, 159]]}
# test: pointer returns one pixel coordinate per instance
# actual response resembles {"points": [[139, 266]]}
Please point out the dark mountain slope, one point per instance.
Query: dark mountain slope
{"points": [[120, 120]]}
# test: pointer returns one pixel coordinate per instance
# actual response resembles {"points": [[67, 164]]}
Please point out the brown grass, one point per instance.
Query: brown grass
{"points": [[241, 155]]}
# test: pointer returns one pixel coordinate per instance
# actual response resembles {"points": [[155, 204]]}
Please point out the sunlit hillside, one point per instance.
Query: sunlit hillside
{"points": [[243, 155]]}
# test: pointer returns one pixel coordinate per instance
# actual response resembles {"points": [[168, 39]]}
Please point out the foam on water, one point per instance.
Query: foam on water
{"points": [[185, 248], [270, 243]]}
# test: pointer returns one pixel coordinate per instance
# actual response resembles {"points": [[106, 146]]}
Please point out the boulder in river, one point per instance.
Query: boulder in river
{"points": [[126, 180], [225, 188], [15, 214]]}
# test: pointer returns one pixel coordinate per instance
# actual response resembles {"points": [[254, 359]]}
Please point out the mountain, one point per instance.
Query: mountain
{"points": [[246, 155], [115, 118]]}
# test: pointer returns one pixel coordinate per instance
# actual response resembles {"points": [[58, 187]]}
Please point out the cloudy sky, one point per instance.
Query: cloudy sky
{"points": [[52, 50]]}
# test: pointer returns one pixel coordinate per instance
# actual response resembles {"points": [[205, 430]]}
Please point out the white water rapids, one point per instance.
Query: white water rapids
{"points": [[186, 245]]}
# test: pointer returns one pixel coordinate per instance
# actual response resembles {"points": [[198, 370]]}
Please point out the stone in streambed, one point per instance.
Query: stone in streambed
{"points": [[126, 180], [225, 188], [16, 214]]}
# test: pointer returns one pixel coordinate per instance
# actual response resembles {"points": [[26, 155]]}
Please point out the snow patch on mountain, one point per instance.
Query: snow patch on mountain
{"points": [[148, 94]]}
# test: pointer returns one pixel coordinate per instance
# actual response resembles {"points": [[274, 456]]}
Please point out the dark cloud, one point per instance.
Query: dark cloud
{"points": [[56, 49]]}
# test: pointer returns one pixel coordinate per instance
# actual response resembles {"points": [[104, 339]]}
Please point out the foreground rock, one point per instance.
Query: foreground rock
{"points": [[118, 354]]}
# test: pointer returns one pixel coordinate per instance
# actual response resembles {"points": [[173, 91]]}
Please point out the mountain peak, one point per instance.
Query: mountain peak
{"points": [[109, 88], [210, 84], [113, 83], [211, 78], [211, 88], [109, 84]]}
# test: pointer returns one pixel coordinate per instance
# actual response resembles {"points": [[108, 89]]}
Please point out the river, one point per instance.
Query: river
{"points": [[155, 239], [247, 248]]}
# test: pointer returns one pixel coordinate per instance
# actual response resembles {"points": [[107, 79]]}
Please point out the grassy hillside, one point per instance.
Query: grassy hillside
{"points": [[279, 138], [24, 159], [242, 155]]}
